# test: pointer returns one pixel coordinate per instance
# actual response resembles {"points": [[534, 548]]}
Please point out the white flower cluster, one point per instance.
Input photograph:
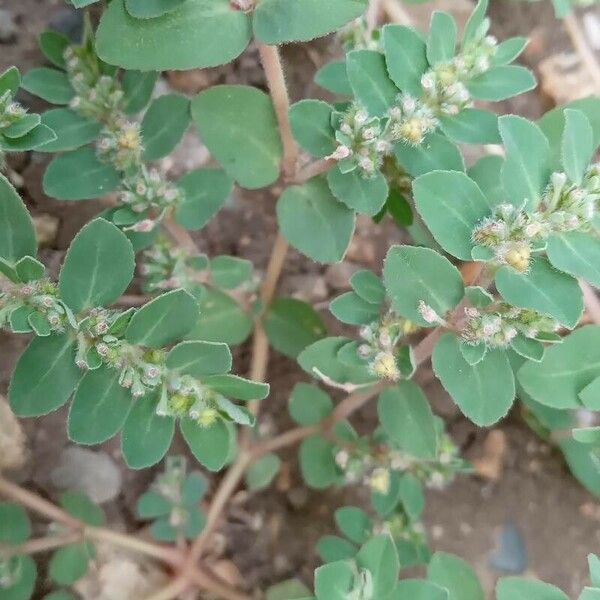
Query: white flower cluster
{"points": [[411, 120], [512, 233], [121, 145]]}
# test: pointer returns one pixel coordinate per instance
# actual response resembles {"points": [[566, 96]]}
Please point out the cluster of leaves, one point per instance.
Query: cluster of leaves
{"points": [[18, 573]]}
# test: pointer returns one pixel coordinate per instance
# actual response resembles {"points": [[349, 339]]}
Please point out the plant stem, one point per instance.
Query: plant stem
{"points": [[313, 169], [271, 62], [396, 12], [579, 41], [212, 584], [39, 545], [181, 236], [172, 590]]}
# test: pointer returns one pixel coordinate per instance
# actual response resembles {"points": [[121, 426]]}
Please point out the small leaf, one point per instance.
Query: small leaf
{"points": [[412, 496], [317, 462], [229, 272], [472, 126], [53, 44], [334, 78], [500, 83], [262, 472], [587, 435], [147, 9], [365, 195], [354, 523], [10, 80], [577, 254], [293, 589], [199, 359], [590, 395], [331, 548], [543, 289], [164, 124], [310, 121], [486, 173], [380, 558], [405, 55], [314, 222], [152, 504], [98, 267], [412, 275], [436, 152], [454, 574], [210, 445], [368, 286], [78, 505], [484, 392], [528, 348], [351, 309], [233, 386], [370, 81], [509, 50], [146, 436], [520, 588], [70, 563], [137, 90], [577, 145], [309, 405], [15, 527], [239, 127], [17, 234], [79, 175], [23, 586], [291, 325], [442, 38], [49, 84], [163, 320], [45, 376], [476, 19], [72, 130], [335, 581], [406, 417]]}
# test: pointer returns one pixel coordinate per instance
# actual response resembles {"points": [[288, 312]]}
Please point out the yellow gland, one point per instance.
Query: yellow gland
{"points": [[408, 327], [380, 481], [130, 139], [208, 417], [385, 367], [412, 130], [180, 403], [446, 76], [518, 258]]}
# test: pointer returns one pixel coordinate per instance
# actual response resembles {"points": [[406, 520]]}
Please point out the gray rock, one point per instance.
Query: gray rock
{"points": [[8, 26], [87, 471], [510, 557]]}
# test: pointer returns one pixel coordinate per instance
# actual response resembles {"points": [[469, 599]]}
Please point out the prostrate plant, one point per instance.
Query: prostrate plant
{"points": [[526, 225]]}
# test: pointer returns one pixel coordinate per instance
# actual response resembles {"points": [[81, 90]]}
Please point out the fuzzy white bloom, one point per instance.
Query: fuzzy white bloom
{"points": [[429, 315], [340, 153]]}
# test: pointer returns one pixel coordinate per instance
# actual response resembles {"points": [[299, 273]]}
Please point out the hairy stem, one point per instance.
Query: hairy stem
{"points": [[318, 167], [271, 62]]}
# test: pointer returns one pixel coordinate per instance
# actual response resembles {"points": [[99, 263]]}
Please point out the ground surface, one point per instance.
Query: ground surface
{"points": [[270, 536]]}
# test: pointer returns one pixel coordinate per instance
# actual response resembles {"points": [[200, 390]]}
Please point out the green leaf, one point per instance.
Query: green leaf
{"points": [[385, 504], [417, 589], [233, 386], [146, 436], [351, 309], [314, 222], [24, 586], [486, 173], [291, 325], [543, 289], [15, 527], [528, 348], [152, 504], [79, 175], [335, 581], [72, 130], [500, 83], [221, 320], [525, 173], [509, 50], [451, 217], [45, 376], [228, 272], [195, 35], [412, 496], [23, 126], [163, 320], [331, 548], [365, 195], [17, 234], [368, 286], [49, 84], [317, 462], [565, 370], [137, 90], [436, 152], [164, 124], [577, 254], [308, 404], [589, 594], [590, 395], [147, 9], [594, 566], [238, 125], [205, 192], [78, 505], [520, 588], [441, 42], [99, 408], [39, 136], [405, 55], [406, 417], [413, 274], [354, 523], [577, 145], [334, 78], [380, 558], [583, 464], [370, 81], [261, 473], [293, 589], [98, 266], [280, 21], [484, 392], [53, 45], [10, 80], [70, 563], [321, 359], [199, 359], [310, 121], [210, 445], [472, 126], [194, 488], [454, 574], [476, 19], [587, 435]]}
